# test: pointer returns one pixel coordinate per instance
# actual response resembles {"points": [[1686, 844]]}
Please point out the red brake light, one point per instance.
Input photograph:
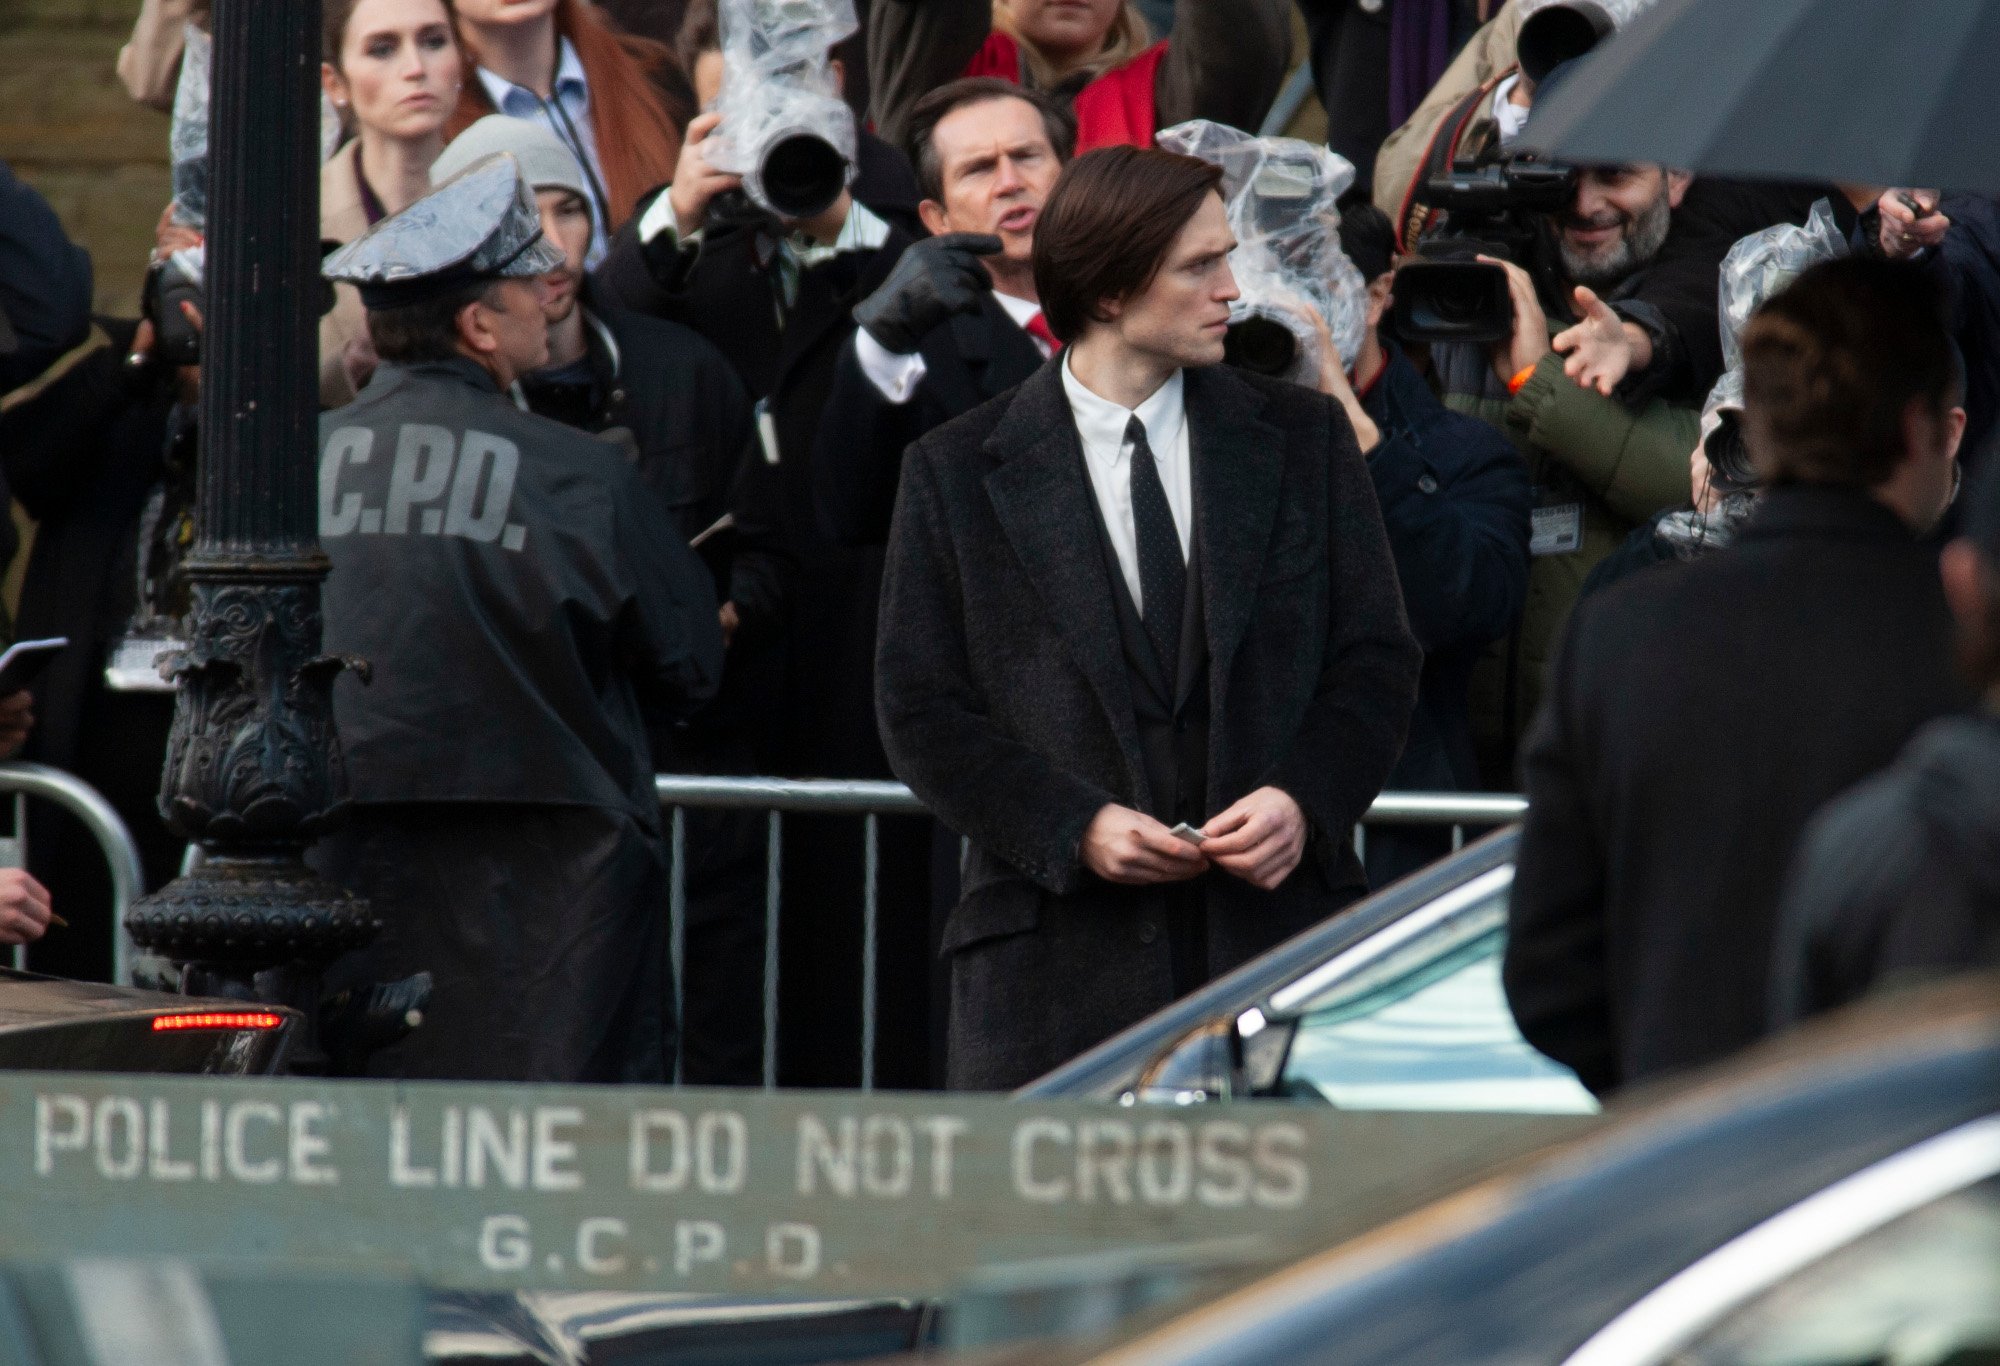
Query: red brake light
{"points": [[219, 1019]]}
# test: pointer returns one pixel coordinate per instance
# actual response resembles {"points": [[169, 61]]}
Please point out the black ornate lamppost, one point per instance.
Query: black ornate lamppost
{"points": [[253, 769]]}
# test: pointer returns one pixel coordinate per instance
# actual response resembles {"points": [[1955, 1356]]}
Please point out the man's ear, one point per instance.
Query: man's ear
{"points": [[335, 87], [1677, 187], [936, 221], [1380, 297], [839, 77], [475, 328], [1954, 430]]}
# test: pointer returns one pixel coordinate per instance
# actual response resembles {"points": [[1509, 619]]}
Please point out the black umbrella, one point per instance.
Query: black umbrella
{"points": [[1874, 92]]}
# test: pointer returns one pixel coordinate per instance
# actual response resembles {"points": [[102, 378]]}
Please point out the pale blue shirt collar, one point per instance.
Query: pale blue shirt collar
{"points": [[1101, 423], [517, 101]]}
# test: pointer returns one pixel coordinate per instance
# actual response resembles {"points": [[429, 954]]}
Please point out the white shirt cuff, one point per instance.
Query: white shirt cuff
{"points": [[894, 376], [659, 218]]}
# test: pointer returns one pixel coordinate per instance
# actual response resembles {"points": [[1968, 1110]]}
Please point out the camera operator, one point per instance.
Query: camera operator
{"points": [[1600, 465], [1455, 501], [1699, 713], [776, 296]]}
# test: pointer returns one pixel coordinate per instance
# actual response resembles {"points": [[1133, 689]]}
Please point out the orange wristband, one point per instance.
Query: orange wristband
{"points": [[1527, 373]]}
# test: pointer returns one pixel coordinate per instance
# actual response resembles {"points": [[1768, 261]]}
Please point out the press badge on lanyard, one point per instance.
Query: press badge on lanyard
{"points": [[1558, 527], [767, 431]]}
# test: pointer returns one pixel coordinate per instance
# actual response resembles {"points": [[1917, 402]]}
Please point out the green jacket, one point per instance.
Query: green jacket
{"points": [[1600, 469]]}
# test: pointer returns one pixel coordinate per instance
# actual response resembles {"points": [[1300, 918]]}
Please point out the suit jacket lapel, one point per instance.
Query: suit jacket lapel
{"points": [[1041, 495], [1239, 462]]}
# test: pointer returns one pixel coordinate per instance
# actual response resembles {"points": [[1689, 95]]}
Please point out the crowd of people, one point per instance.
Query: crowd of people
{"points": [[644, 451]]}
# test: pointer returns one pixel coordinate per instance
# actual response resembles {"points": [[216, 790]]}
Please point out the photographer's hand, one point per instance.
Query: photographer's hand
{"points": [[1904, 234], [1334, 383], [933, 279], [1530, 342], [1602, 349], [696, 183]]}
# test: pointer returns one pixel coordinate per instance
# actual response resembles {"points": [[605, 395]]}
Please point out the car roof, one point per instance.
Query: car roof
{"points": [[1104, 1069], [1526, 1265]]}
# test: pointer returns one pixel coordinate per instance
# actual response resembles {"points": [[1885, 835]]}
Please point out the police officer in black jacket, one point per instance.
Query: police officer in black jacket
{"points": [[675, 406], [526, 606]]}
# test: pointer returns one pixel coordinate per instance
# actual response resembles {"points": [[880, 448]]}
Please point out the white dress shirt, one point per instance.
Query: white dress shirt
{"points": [[1108, 456], [567, 115], [897, 376]]}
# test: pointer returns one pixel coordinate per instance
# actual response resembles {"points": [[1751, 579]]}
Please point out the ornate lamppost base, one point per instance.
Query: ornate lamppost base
{"points": [[255, 928]]}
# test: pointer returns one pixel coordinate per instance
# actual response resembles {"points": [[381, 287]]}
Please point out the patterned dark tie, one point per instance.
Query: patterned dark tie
{"points": [[1162, 569]]}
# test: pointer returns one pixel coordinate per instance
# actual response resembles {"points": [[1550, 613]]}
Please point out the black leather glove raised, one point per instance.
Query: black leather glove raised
{"points": [[934, 279]]}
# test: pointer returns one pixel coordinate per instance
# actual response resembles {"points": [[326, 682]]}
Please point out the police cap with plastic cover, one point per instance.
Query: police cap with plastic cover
{"points": [[482, 224]]}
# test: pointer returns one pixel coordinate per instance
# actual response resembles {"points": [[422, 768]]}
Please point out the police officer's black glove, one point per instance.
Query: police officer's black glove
{"points": [[935, 278]]}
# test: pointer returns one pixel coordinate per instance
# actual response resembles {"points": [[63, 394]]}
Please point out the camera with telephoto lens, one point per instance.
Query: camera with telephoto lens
{"points": [[171, 281], [1730, 468], [1499, 209]]}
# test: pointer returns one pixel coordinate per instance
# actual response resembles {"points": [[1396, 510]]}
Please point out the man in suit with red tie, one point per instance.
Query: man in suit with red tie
{"points": [[958, 320], [1142, 642]]}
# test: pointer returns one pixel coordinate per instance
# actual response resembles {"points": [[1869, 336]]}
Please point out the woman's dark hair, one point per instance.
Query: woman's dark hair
{"points": [[427, 330], [927, 113], [1830, 365], [339, 13], [1107, 227]]}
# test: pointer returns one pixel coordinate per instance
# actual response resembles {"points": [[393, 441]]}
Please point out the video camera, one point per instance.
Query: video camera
{"points": [[1496, 208], [785, 128]]}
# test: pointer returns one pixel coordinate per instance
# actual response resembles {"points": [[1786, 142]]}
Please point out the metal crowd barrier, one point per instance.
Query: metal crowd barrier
{"points": [[873, 800], [88, 805]]}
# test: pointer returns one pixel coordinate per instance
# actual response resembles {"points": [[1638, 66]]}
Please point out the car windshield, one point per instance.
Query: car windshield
{"points": [[1416, 1019]]}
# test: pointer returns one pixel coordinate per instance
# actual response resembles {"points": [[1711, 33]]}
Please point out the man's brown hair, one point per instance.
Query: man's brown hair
{"points": [[1107, 227], [699, 33], [1831, 364], [927, 113]]}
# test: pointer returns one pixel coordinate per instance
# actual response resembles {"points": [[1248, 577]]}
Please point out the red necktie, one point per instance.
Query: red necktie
{"points": [[1038, 328]]}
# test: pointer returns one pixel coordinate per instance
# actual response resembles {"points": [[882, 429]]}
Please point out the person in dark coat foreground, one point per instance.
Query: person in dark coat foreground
{"points": [[1139, 591], [1699, 713], [1898, 880], [524, 602]]}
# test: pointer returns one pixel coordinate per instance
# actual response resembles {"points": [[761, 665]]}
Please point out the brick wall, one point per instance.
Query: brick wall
{"points": [[68, 128]]}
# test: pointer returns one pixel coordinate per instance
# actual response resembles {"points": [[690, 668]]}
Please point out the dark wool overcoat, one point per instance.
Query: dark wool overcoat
{"points": [[1005, 700]]}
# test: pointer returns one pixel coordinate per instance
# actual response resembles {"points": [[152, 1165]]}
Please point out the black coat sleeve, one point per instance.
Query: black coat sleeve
{"points": [[1677, 292], [1556, 969], [1354, 728], [54, 446], [981, 783], [631, 274], [1461, 544], [672, 637], [766, 558], [45, 285], [858, 454]]}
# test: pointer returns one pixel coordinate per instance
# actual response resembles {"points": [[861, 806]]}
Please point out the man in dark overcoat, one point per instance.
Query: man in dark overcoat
{"points": [[1701, 711], [1142, 641]]}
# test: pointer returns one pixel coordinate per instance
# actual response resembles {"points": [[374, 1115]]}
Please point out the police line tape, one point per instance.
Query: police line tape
{"points": [[637, 1188]]}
